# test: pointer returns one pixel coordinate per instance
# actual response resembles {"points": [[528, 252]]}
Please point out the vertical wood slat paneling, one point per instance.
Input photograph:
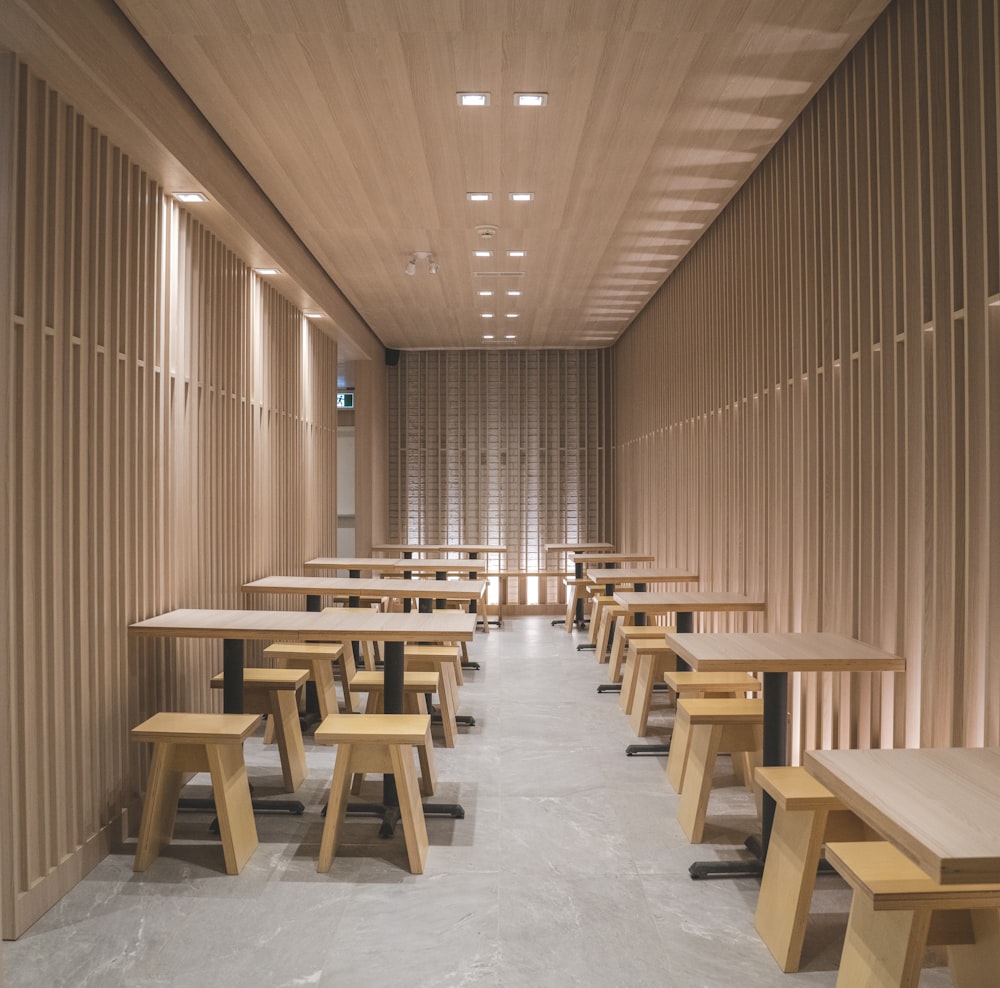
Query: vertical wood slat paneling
{"points": [[507, 447], [858, 340], [171, 433]]}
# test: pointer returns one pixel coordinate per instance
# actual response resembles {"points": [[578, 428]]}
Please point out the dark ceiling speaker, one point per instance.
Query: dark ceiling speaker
{"points": [[391, 357]]}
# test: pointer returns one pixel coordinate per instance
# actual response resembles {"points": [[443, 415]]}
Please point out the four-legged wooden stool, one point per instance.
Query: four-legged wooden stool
{"points": [[184, 743]]}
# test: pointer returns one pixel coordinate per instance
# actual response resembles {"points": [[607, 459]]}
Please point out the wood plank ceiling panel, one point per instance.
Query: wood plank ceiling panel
{"points": [[345, 114]]}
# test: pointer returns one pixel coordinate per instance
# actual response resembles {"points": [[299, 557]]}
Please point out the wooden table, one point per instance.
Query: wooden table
{"points": [[234, 627], [639, 576], [315, 587], [775, 654], [939, 806]]}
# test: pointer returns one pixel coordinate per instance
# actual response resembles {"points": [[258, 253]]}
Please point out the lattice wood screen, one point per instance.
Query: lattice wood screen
{"points": [[810, 407], [170, 432], [506, 447]]}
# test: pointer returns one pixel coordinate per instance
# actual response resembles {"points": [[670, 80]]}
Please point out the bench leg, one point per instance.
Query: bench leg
{"points": [[617, 654], [336, 807], [976, 965], [703, 747], [411, 812], [162, 792], [629, 675], [285, 714], [882, 949], [677, 757], [233, 806]]}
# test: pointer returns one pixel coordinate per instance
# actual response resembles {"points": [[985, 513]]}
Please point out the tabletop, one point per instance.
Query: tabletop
{"points": [[382, 565], [794, 651], [455, 589], [601, 558], [671, 602], [939, 806], [641, 574], [334, 625], [578, 546], [438, 547]]}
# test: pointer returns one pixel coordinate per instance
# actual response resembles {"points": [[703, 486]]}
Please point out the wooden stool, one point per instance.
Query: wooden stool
{"points": [[376, 743], [184, 743], [898, 910], [318, 658], [610, 615], [628, 634], [732, 725], [806, 816], [436, 656], [701, 684], [273, 692], [574, 591], [416, 685], [641, 651], [651, 660], [598, 601]]}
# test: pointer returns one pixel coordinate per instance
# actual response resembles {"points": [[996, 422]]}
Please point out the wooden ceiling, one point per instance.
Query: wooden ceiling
{"points": [[345, 114]]}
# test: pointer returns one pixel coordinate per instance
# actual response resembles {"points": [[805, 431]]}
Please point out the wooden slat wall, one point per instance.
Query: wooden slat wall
{"points": [[810, 407], [508, 447], [171, 433]]}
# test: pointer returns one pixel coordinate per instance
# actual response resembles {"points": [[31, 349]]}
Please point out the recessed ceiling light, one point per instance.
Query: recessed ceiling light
{"points": [[313, 315], [531, 99], [513, 291], [487, 292], [487, 315], [479, 196], [473, 99], [267, 271], [191, 197], [488, 336], [482, 253], [515, 253], [511, 315], [510, 336], [522, 196]]}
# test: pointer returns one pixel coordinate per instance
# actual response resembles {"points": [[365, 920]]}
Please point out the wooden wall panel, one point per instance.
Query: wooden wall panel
{"points": [[827, 416], [170, 434]]}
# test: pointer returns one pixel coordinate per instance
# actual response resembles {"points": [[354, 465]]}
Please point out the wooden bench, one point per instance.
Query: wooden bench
{"points": [[640, 653], [610, 615], [574, 592], [806, 816], [690, 683], [274, 692], [185, 743], [376, 743], [898, 910], [714, 725]]}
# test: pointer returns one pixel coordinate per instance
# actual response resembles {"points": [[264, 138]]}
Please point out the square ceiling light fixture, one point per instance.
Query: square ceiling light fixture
{"points": [[473, 99], [522, 196], [531, 99], [479, 196], [191, 197]]}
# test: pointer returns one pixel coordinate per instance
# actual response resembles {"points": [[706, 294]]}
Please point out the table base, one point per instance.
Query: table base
{"points": [[390, 814], [648, 749]]}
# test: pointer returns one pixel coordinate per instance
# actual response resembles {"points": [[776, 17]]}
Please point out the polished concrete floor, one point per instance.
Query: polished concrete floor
{"points": [[568, 869]]}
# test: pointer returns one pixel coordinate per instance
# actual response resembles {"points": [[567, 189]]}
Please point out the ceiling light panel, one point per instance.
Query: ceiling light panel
{"points": [[473, 99], [522, 196], [531, 99], [479, 196], [191, 197]]}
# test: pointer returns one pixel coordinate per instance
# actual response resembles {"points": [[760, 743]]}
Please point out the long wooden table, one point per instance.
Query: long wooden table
{"points": [[315, 587], [235, 627], [775, 654]]}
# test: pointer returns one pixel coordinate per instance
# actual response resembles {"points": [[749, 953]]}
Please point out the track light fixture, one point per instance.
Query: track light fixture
{"points": [[422, 255]]}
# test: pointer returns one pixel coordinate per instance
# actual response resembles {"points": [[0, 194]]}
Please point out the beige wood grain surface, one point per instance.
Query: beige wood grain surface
{"points": [[783, 652], [671, 602], [333, 625], [639, 574], [940, 806], [303, 585], [603, 558], [381, 565]]}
